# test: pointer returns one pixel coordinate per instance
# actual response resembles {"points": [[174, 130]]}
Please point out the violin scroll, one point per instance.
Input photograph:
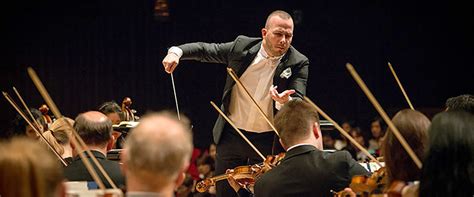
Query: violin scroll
{"points": [[204, 185]]}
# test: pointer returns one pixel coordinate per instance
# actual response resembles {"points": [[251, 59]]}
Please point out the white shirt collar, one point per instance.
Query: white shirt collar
{"points": [[296, 145], [264, 54]]}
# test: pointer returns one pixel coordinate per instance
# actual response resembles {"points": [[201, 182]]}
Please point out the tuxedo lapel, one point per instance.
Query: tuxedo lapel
{"points": [[247, 60], [281, 67]]}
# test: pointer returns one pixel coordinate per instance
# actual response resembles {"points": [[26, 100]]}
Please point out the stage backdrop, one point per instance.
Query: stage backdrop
{"points": [[88, 52]]}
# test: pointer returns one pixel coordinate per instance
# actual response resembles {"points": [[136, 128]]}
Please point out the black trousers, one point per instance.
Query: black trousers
{"points": [[233, 151]]}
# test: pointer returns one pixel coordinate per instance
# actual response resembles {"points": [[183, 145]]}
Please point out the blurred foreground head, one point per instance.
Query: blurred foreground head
{"points": [[28, 168]]}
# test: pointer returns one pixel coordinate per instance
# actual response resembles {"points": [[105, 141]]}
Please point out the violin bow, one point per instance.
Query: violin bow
{"points": [[175, 96], [77, 140], [26, 107], [339, 128], [400, 85], [238, 131], [384, 115], [239, 83], [36, 129]]}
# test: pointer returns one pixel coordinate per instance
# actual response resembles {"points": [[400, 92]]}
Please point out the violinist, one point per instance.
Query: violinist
{"points": [[448, 168], [463, 102], [400, 170], [157, 154], [59, 136], [413, 126], [305, 170], [21, 128], [96, 131]]}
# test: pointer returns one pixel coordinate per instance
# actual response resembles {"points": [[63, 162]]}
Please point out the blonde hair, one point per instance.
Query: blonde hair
{"points": [[59, 133], [28, 169]]}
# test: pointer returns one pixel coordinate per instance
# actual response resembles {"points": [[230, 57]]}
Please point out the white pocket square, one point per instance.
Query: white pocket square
{"points": [[286, 73]]}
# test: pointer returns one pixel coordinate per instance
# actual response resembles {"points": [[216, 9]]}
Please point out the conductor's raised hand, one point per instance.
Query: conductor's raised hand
{"points": [[170, 62], [282, 97]]}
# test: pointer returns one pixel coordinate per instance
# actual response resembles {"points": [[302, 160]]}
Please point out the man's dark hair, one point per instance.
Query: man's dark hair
{"points": [[294, 121], [93, 132], [110, 107], [19, 124], [463, 102]]}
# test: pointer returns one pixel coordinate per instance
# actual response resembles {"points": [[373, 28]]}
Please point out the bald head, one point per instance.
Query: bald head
{"points": [[94, 128], [272, 17], [158, 149]]}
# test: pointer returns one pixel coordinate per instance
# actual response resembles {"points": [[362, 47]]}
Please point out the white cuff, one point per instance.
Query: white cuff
{"points": [[176, 50], [278, 105]]}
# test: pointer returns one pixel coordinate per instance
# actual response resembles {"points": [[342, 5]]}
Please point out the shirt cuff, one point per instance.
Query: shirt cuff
{"points": [[278, 105], [176, 50]]}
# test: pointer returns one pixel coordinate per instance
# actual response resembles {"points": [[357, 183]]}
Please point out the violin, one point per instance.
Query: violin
{"points": [[396, 188], [364, 185], [244, 175]]}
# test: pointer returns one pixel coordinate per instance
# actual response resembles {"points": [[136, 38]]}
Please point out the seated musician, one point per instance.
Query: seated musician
{"points": [[113, 111], [413, 126], [463, 102], [59, 136], [305, 170], [156, 156], [448, 168], [21, 128], [96, 131], [28, 169]]}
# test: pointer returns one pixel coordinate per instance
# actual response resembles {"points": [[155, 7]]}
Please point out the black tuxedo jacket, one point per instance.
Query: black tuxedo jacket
{"points": [[76, 171], [238, 55], [307, 171]]}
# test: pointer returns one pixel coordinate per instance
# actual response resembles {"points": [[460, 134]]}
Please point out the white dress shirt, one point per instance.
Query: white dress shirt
{"points": [[257, 79]]}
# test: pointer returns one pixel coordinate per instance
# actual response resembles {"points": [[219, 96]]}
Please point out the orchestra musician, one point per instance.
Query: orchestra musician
{"points": [[28, 169], [113, 111], [306, 170], [156, 155], [21, 128], [96, 131], [413, 126], [260, 63], [448, 168], [59, 136], [462, 102]]}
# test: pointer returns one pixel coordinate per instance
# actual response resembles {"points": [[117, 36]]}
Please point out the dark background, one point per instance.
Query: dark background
{"points": [[91, 51]]}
